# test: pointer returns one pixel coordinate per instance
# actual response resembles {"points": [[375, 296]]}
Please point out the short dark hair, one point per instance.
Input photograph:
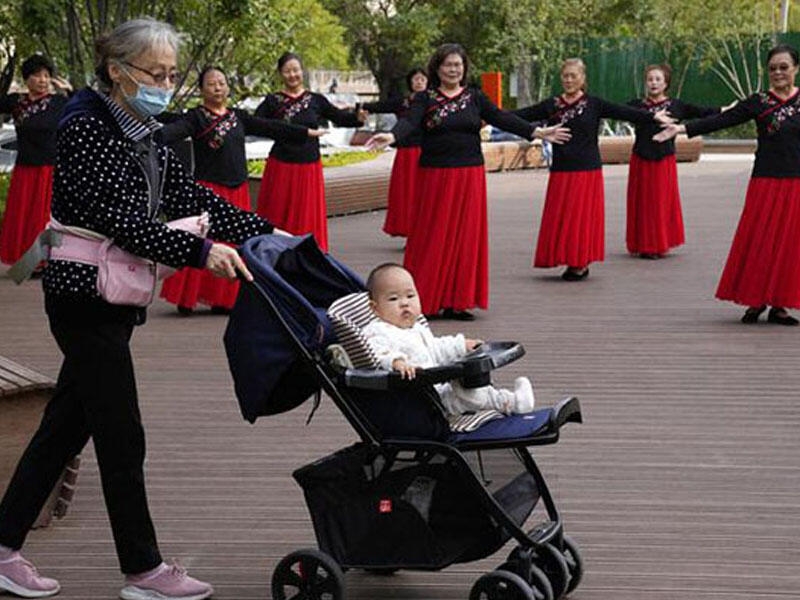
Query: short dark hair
{"points": [[411, 73], [375, 274], [286, 57], [206, 70], [664, 68], [442, 52], [34, 64], [780, 49]]}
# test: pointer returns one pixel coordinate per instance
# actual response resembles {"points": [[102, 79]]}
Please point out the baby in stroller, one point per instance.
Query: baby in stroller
{"points": [[401, 343]]}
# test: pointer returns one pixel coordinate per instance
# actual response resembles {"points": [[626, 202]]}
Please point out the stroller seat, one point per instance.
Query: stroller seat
{"points": [[362, 370]]}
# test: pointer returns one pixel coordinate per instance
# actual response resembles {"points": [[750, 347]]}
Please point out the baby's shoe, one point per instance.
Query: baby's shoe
{"points": [[165, 582], [21, 578], [523, 396]]}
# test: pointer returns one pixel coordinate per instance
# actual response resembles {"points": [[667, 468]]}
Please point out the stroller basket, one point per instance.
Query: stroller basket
{"points": [[390, 508]]}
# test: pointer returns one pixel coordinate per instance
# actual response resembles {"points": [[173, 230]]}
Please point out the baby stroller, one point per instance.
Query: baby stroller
{"points": [[416, 492]]}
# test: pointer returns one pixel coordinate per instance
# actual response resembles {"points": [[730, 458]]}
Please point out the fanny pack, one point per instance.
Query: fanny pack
{"points": [[122, 277]]}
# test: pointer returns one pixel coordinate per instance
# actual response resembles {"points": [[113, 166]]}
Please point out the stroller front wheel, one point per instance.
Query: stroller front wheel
{"points": [[308, 574], [574, 563], [501, 585]]}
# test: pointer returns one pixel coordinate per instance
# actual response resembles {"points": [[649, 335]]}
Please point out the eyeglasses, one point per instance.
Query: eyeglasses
{"points": [[158, 78]]}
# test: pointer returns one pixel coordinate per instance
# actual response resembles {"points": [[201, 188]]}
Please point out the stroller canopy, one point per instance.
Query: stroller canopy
{"points": [[293, 287]]}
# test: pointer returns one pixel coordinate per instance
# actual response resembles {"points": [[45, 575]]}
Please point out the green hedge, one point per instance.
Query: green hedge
{"points": [[5, 178], [337, 159]]}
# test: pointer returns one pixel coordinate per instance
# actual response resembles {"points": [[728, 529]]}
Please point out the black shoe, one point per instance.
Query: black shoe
{"points": [[573, 274], [784, 319], [185, 311], [220, 310], [649, 255], [457, 315], [751, 314]]}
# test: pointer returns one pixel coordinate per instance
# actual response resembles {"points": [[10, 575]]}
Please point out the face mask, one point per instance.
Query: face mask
{"points": [[148, 101]]}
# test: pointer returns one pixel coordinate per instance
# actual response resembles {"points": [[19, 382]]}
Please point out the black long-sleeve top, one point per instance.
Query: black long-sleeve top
{"points": [[643, 145], [582, 117], [400, 107], [100, 184], [451, 125], [36, 122], [307, 109], [778, 126], [218, 140]]}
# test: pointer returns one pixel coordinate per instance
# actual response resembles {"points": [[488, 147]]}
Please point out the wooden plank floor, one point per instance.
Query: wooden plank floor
{"points": [[684, 482]]}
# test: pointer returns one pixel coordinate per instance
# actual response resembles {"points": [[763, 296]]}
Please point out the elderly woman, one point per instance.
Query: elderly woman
{"points": [[36, 116], [113, 179], [572, 232], [762, 268], [218, 137], [654, 216], [292, 193], [448, 248], [400, 207]]}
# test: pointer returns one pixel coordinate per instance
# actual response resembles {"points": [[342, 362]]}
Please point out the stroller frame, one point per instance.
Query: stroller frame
{"points": [[545, 565]]}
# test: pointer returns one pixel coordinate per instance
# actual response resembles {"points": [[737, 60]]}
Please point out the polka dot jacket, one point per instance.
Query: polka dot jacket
{"points": [[99, 184]]}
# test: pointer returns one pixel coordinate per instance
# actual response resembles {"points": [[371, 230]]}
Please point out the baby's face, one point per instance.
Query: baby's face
{"points": [[395, 299]]}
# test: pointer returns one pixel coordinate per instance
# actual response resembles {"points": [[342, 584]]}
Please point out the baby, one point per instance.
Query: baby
{"points": [[402, 344]]}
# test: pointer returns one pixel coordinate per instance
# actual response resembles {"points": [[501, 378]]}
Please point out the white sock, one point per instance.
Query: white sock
{"points": [[523, 396], [7, 553]]}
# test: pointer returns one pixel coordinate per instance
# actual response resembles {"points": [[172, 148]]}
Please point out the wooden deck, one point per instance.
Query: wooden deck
{"points": [[684, 481]]}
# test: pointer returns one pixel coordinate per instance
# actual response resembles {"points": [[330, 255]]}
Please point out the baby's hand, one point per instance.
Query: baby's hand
{"points": [[406, 370], [472, 344]]}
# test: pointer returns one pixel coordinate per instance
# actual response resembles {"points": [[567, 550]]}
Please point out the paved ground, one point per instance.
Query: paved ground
{"points": [[683, 482]]}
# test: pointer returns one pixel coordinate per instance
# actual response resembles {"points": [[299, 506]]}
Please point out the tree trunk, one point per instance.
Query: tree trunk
{"points": [[524, 74]]}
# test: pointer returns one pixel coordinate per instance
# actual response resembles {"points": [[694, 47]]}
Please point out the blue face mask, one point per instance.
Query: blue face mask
{"points": [[148, 101]]}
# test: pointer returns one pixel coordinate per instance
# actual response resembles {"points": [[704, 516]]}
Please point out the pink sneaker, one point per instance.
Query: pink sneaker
{"points": [[20, 577], [165, 582]]}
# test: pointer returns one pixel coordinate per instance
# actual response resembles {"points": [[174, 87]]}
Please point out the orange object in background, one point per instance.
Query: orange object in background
{"points": [[492, 84]]}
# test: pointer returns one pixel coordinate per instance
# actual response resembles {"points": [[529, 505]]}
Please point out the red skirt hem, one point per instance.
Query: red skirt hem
{"points": [[654, 216], [402, 192], [189, 287], [572, 230], [292, 197], [448, 252], [27, 210], [763, 265]]}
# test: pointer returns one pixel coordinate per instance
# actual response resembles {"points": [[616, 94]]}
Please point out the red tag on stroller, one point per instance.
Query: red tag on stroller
{"points": [[385, 505]]}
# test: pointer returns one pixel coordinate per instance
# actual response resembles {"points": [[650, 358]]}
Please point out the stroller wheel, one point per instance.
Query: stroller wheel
{"points": [[501, 585], [308, 574], [550, 560], [537, 580], [574, 563]]}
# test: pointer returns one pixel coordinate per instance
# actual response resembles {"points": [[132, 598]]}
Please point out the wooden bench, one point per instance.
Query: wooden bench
{"points": [[23, 396]]}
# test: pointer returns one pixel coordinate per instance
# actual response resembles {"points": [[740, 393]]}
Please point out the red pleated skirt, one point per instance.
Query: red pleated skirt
{"points": [[655, 220], [27, 210], [189, 286], [763, 265], [292, 197], [402, 191], [572, 232], [448, 246]]}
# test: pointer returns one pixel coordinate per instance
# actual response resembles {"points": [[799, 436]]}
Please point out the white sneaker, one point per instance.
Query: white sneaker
{"points": [[523, 396]]}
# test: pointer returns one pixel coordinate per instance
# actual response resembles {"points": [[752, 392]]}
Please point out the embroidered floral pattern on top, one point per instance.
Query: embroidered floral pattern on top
{"points": [[222, 126], [26, 108], [777, 111], [290, 107], [444, 107], [566, 112]]}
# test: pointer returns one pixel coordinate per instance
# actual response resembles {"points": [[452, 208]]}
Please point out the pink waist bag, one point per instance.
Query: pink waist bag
{"points": [[122, 277]]}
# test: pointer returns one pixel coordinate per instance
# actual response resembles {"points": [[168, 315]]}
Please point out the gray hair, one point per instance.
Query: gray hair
{"points": [[129, 40]]}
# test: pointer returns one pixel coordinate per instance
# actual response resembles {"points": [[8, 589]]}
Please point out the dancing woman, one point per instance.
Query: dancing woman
{"points": [[762, 267], [218, 140], [572, 231], [36, 114], [448, 248], [402, 184], [292, 193], [654, 218]]}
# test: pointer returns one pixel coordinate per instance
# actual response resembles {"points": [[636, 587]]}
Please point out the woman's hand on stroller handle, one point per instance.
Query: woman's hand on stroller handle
{"points": [[224, 261]]}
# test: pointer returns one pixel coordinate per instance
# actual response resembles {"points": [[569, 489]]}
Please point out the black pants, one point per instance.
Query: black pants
{"points": [[95, 398]]}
